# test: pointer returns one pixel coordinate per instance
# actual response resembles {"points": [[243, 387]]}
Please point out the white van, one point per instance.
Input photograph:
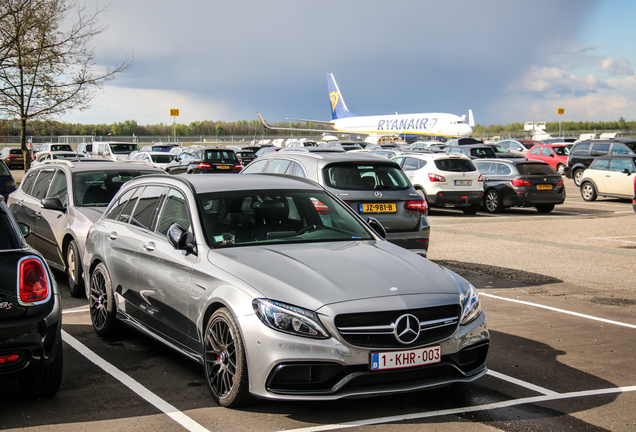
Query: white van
{"points": [[116, 151]]}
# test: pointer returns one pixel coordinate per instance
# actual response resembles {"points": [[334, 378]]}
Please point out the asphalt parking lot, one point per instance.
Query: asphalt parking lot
{"points": [[559, 294]]}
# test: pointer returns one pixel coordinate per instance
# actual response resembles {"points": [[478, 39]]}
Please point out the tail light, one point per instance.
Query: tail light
{"points": [[480, 178], [520, 182], [238, 167], [436, 178], [204, 165], [560, 183], [10, 184], [33, 281], [9, 358], [10, 156], [419, 206]]}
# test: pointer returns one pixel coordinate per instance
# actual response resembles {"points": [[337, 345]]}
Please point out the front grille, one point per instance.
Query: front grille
{"points": [[376, 329]]}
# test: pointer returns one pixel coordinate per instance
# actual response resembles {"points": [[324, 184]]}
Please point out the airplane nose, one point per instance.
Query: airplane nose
{"points": [[465, 131]]}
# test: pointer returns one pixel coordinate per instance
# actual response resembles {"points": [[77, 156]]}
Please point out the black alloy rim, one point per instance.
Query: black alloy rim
{"points": [[98, 299]]}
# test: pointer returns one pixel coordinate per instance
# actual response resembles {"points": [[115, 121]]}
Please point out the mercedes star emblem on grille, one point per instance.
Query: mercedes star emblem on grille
{"points": [[407, 329]]}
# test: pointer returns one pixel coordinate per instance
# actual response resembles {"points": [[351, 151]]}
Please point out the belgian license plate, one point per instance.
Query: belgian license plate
{"points": [[463, 182], [544, 187], [223, 166], [378, 208], [406, 359]]}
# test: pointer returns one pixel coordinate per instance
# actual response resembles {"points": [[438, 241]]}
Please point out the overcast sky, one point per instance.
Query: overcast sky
{"points": [[508, 61]]}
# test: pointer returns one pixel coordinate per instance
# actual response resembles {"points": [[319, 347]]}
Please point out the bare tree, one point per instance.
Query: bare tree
{"points": [[47, 66]]}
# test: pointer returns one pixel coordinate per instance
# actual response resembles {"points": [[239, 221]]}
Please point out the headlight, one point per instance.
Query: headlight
{"points": [[289, 319], [471, 307]]}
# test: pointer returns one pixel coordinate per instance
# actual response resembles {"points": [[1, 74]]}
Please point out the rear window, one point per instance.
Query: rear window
{"points": [[163, 158], [580, 149], [220, 155], [16, 152], [365, 177], [97, 188], [455, 165], [61, 147], [535, 169], [123, 148]]}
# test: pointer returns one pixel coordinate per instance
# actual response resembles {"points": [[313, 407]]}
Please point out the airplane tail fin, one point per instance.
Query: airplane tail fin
{"points": [[471, 119], [338, 108]]}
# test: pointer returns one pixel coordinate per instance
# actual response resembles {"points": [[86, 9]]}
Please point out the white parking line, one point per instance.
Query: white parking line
{"points": [[135, 386], [520, 383], [456, 411], [590, 317]]}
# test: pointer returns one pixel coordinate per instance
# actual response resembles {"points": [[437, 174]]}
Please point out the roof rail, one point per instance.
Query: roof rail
{"points": [[64, 161]]}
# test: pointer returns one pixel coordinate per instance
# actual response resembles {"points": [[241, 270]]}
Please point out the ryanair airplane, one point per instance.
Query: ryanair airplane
{"points": [[344, 121]]}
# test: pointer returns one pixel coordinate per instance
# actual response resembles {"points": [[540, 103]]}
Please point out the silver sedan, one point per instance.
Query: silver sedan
{"points": [[279, 289]]}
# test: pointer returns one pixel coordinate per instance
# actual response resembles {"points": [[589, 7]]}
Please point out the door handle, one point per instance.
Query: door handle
{"points": [[112, 235], [38, 214], [149, 246]]}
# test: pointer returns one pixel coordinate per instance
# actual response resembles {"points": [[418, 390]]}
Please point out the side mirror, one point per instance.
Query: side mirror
{"points": [[53, 204], [24, 229], [181, 239], [626, 171], [376, 226]]}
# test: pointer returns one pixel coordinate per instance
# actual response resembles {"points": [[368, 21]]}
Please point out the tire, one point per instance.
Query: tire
{"points": [[492, 202], [74, 270], [45, 381], [561, 169], [471, 209], [545, 208], [588, 192], [225, 364], [101, 303], [577, 176]]}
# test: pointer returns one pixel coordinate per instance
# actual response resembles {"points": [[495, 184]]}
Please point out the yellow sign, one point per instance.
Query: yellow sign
{"points": [[174, 112], [559, 111]]}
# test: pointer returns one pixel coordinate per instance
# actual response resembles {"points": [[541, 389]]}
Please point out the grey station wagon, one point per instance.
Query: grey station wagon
{"points": [[372, 185], [279, 290]]}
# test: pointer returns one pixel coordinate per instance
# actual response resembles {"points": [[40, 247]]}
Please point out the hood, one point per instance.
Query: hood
{"points": [[316, 274]]}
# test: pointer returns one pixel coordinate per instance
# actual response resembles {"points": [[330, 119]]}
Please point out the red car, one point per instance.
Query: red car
{"points": [[555, 155]]}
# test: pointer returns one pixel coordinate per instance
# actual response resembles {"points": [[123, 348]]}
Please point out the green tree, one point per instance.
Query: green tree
{"points": [[47, 67]]}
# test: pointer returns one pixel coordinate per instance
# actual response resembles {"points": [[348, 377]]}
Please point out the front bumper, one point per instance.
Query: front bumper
{"points": [[286, 367]]}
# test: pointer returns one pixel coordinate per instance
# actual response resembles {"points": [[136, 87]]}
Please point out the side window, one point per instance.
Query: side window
{"points": [[600, 149], [58, 187], [296, 169], [175, 210], [278, 166], [147, 206], [410, 164], [621, 164], [547, 151], [600, 164], [42, 184], [620, 149], [535, 151], [123, 201], [398, 160], [27, 183], [255, 167], [581, 149], [503, 169]]}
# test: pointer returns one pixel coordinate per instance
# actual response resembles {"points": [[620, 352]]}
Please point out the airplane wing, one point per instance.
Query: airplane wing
{"points": [[266, 126]]}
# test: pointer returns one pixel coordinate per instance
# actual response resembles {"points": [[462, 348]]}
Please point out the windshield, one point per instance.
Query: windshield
{"points": [[97, 188], [250, 218], [123, 148], [61, 147], [369, 176]]}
